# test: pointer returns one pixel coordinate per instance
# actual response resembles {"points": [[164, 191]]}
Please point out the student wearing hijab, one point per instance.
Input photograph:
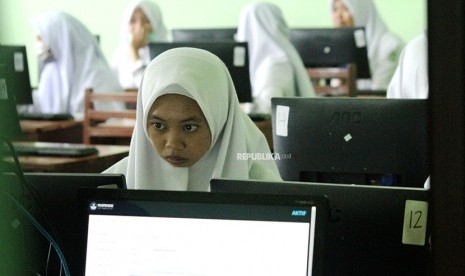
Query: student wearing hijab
{"points": [[190, 128], [411, 77], [73, 62], [276, 69], [142, 24], [383, 46]]}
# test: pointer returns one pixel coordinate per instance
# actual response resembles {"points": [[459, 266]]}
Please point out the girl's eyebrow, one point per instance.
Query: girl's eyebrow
{"points": [[194, 118]]}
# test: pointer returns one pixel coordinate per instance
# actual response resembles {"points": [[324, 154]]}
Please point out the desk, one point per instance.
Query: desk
{"points": [[67, 131], [266, 128], [107, 156]]}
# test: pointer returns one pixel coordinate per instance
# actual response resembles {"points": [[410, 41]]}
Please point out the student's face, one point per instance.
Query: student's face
{"points": [[341, 15], [139, 22], [178, 130]]}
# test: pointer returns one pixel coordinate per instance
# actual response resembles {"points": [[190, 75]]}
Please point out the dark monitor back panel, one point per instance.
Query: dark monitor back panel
{"points": [[352, 141], [329, 47], [233, 54], [9, 120], [57, 195], [368, 232], [15, 58], [209, 34]]}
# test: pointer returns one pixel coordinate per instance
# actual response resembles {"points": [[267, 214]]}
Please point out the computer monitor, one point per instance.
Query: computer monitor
{"points": [[56, 209], [373, 230], [15, 58], [233, 54], [212, 34], [9, 120], [147, 232], [330, 47], [352, 140]]}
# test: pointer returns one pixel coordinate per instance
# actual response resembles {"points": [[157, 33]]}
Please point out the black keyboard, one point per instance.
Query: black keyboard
{"points": [[65, 150], [45, 116]]}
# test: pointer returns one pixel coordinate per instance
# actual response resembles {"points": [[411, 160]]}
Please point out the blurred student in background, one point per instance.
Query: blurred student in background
{"points": [[383, 46], [411, 77], [72, 62], [276, 69], [190, 128], [142, 23]]}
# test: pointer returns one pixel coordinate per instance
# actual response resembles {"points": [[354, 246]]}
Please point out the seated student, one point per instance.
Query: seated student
{"points": [[276, 69], [73, 62], [411, 77], [190, 127], [142, 23], [383, 46]]}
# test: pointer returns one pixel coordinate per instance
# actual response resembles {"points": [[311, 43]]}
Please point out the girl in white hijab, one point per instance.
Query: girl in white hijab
{"points": [[74, 62], [190, 128], [383, 46], [411, 77], [142, 23], [276, 69]]}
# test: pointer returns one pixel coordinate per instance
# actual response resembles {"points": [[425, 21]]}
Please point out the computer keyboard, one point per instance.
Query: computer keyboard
{"points": [[45, 116], [65, 150]]}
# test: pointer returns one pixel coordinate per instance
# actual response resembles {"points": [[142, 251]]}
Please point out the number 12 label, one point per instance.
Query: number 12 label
{"points": [[415, 219]]}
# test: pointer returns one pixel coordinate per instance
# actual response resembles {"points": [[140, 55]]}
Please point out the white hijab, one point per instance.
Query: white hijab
{"points": [[262, 25], [79, 63], [411, 77], [201, 76], [383, 47]]}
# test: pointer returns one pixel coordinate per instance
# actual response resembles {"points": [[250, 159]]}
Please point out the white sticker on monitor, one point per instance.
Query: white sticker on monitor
{"points": [[239, 56], [3, 90], [415, 220], [359, 36], [282, 119], [18, 62]]}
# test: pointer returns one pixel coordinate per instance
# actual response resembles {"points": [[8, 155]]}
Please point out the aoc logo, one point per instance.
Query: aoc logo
{"points": [[299, 213], [346, 117]]}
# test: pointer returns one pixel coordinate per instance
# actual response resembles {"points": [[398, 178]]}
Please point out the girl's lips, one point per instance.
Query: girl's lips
{"points": [[175, 160]]}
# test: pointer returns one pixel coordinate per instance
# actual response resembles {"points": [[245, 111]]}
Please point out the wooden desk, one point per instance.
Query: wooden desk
{"points": [[107, 156], [67, 131]]}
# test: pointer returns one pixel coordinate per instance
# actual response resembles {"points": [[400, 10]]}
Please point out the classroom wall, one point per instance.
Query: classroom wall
{"points": [[405, 18]]}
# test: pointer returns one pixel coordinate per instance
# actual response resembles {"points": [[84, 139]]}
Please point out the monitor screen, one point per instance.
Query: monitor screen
{"points": [[350, 140], [16, 59], [233, 54], [214, 34], [372, 230], [330, 47], [145, 232]]}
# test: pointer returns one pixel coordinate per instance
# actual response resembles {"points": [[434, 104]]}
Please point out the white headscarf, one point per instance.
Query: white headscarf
{"points": [[201, 76], [78, 61], [411, 77], [262, 25], [383, 46]]}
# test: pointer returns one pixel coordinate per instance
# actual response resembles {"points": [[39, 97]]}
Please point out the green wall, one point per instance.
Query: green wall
{"points": [[405, 18]]}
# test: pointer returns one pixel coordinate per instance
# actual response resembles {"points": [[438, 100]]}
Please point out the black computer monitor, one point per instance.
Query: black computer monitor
{"points": [[15, 58], [9, 120], [329, 47], [350, 140], [53, 202], [373, 230], [233, 54], [212, 34]]}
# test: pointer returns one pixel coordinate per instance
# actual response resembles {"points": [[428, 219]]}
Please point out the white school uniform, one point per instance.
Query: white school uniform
{"points": [[203, 77], [383, 46], [77, 64], [276, 69], [410, 80], [130, 72]]}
